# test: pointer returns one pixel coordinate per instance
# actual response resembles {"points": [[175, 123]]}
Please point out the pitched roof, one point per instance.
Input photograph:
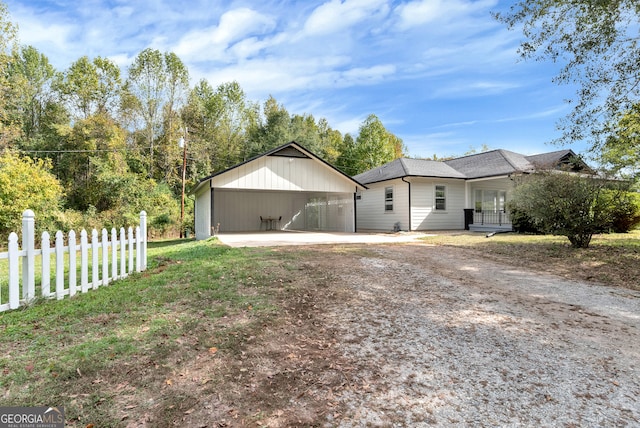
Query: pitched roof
{"points": [[491, 164], [480, 165], [406, 167], [291, 150]]}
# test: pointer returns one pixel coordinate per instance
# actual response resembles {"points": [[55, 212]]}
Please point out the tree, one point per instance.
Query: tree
{"points": [[155, 91], [177, 87], [233, 120], [89, 148], [26, 184], [91, 87], [562, 203], [146, 84], [345, 160], [219, 122], [10, 128], [200, 116], [31, 74], [331, 141], [273, 131], [597, 42], [374, 146], [621, 151]]}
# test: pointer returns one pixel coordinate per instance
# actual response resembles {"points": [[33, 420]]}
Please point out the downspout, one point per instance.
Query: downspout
{"points": [[355, 214], [409, 183], [212, 230]]}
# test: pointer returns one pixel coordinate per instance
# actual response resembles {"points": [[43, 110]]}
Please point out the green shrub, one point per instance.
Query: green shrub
{"points": [[623, 210], [521, 221]]}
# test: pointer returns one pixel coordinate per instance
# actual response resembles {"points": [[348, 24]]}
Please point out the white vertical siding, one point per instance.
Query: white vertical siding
{"points": [[284, 173], [203, 213], [424, 215], [370, 208]]}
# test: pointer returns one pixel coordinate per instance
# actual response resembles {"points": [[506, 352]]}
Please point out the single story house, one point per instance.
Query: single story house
{"points": [[287, 188], [469, 192]]}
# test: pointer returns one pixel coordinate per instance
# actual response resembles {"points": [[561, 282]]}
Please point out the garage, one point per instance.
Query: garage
{"points": [[287, 188]]}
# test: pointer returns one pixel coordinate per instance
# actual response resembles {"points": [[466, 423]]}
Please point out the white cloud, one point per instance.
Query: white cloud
{"points": [[121, 60], [39, 33], [266, 76], [439, 12], [238, 25], [336, 15]]}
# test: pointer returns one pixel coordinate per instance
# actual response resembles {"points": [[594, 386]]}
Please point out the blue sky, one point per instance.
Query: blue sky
{"points": [[443, 75]]}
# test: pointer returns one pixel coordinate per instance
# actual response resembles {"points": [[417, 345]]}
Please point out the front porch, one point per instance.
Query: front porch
{"points": [[487, 220]]}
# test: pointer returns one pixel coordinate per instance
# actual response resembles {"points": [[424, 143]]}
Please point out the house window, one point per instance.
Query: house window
{"points": [[388, 199], [441, 198]]}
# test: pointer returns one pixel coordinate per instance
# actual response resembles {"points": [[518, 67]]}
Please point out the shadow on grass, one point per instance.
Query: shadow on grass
{"points": [[169, 242]]}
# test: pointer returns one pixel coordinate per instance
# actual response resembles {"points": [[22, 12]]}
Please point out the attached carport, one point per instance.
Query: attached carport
{"points": [[289, 187]]}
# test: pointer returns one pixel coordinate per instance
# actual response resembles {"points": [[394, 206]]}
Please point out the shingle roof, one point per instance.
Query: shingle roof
{"points": [[406, 167], [550, 159], [487, 164], [490, 164]]}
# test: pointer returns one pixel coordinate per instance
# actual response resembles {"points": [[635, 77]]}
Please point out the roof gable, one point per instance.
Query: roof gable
{"points": [[290, 150], [560, 159]]}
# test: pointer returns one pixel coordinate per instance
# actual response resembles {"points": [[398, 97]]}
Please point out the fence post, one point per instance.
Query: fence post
{"points": [[45, 283], [95, 267], [28, 262], [59, 265], [14, 272], [105, 257], [130, 240], [84, 261], [138, 249], [72, 263], [123, 254], [143, 233], [114, 254]]}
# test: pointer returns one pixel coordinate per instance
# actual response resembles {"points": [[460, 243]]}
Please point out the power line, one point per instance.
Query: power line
{"points": [[84, 151]]}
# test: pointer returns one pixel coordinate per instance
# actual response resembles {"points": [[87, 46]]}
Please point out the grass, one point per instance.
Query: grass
{"points": [[54, 350], [611, 259], [122, 345]]}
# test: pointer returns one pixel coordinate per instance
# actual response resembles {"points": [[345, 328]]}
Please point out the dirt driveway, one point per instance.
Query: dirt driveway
{"points": [[416, 335]]}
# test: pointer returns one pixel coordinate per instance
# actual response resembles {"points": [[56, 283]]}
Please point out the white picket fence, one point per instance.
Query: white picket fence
{"points": [[122, 254]]}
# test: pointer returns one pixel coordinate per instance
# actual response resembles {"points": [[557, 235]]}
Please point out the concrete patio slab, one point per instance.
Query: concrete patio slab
{"points": [[283, 238]]}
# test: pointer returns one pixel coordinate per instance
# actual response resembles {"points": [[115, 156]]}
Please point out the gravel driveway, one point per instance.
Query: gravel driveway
{"points": [[436, 339]]}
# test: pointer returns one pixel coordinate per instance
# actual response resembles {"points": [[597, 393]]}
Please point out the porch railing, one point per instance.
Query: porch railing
{"points": [[499, 217]]}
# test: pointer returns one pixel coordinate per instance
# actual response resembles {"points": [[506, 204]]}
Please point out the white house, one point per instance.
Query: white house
{"points": [[287, 188], [469, 192]]}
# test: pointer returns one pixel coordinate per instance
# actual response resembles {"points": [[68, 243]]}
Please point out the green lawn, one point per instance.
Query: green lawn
{"points": [[51, 346]]}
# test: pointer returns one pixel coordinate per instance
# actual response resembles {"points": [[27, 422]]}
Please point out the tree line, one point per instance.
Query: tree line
{"points": [[94, 144], [105, 140]]}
